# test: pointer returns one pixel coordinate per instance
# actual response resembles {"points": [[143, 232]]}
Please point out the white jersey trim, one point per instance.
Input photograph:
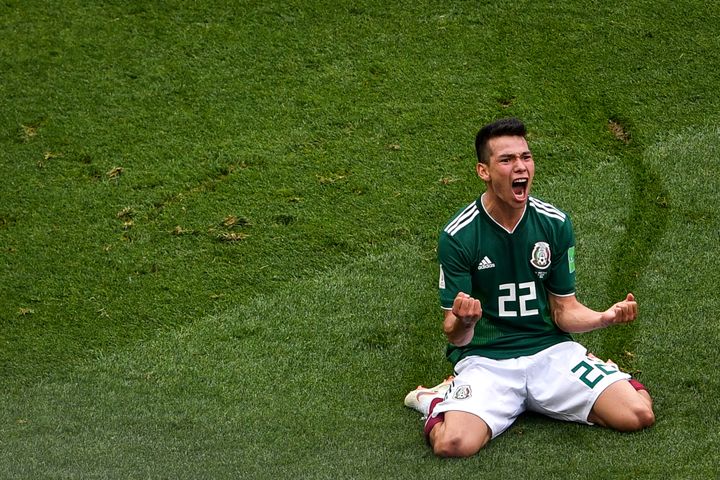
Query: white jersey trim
{"points": [[566, 295], [471, 211], [547, 209], [510, 231], [465, 217]]}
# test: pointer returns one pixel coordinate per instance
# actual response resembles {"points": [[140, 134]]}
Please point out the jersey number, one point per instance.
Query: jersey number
{"points": [[512, 300], [589, 370]]}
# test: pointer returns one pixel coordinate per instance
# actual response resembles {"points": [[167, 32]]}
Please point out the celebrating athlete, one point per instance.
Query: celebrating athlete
{"points": [[507, 289]]}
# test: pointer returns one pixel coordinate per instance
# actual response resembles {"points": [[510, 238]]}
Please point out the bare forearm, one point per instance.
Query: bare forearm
{"points": [[573, 317], [458, 333], [577, 318]]}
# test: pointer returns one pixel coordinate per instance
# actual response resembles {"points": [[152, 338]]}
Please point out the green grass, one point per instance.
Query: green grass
{"points": [[253, 293]]}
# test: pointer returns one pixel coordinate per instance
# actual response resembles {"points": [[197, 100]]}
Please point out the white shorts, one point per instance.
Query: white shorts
{"points": [[562, 382]]}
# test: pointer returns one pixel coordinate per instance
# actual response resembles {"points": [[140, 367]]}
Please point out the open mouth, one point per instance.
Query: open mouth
{"points": [[519, 188]]}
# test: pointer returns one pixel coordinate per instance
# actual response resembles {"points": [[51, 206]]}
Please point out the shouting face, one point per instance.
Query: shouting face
{"points": [[509, 171]]}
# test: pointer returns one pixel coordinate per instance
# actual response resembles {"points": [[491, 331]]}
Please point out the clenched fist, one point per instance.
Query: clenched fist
{"points": [[467, 309]]}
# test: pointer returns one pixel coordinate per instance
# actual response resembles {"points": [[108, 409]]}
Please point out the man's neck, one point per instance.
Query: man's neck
{"points": [[508, 218]]}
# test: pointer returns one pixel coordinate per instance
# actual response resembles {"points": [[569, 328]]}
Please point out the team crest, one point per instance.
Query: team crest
{"points": [[462, 392], [540, 257]]}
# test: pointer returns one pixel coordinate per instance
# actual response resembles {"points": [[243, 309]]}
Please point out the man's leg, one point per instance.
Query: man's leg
{"points": [[568, 383], [458, 434], [483, 400], [451, 433], [624, 408]]}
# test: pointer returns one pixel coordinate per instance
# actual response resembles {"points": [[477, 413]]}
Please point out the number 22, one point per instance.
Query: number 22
{"points": [[504, 300], [588, 369]]}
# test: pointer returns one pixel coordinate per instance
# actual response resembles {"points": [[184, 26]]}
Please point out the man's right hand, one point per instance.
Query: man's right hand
{"points": [[459, 324], [467, 309]]}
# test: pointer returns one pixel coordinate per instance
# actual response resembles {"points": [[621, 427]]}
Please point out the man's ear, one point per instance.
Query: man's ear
{"points": [[482, 171]]}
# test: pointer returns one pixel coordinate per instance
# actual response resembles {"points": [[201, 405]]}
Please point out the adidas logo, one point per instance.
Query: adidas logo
{"points": [[486, 263]]}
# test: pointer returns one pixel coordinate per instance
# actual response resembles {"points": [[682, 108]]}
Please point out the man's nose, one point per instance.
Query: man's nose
{"points": [[519, 164]]}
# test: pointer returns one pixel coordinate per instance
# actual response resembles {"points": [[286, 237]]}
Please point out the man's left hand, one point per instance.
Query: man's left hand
{"points": [[622, 312]]}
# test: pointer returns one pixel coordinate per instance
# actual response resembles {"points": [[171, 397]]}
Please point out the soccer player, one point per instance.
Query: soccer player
{"points": [[507, 288]]}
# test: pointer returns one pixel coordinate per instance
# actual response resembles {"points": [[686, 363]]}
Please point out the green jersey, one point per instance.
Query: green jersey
{"points": [[511, 273]]}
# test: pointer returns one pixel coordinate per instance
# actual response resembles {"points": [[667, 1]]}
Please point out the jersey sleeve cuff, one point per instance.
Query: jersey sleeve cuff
{"points": [[562, 294]]}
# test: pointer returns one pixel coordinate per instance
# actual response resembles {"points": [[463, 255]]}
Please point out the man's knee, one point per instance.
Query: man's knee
{"points": [[459, 435], [623, 409], [455, 445], [637, 418]]}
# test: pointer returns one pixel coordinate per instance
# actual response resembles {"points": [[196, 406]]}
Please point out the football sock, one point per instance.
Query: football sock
{"points": [[637, 385], [432, 421]]}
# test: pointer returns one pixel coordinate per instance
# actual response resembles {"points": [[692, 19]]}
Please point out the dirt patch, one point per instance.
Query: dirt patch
{"points": [[618, 131]]}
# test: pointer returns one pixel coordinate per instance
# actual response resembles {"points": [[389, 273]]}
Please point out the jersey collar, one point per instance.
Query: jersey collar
{"points": [[512, 230]]}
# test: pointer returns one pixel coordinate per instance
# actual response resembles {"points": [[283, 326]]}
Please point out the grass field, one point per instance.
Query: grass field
{"points": [[218, 227]]}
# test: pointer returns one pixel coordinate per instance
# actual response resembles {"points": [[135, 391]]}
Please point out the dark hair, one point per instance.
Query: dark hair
{"points": [[499, 128]]}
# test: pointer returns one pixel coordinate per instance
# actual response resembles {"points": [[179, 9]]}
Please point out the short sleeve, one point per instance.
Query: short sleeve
{"points": [[561, 280], [455, 275]]}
